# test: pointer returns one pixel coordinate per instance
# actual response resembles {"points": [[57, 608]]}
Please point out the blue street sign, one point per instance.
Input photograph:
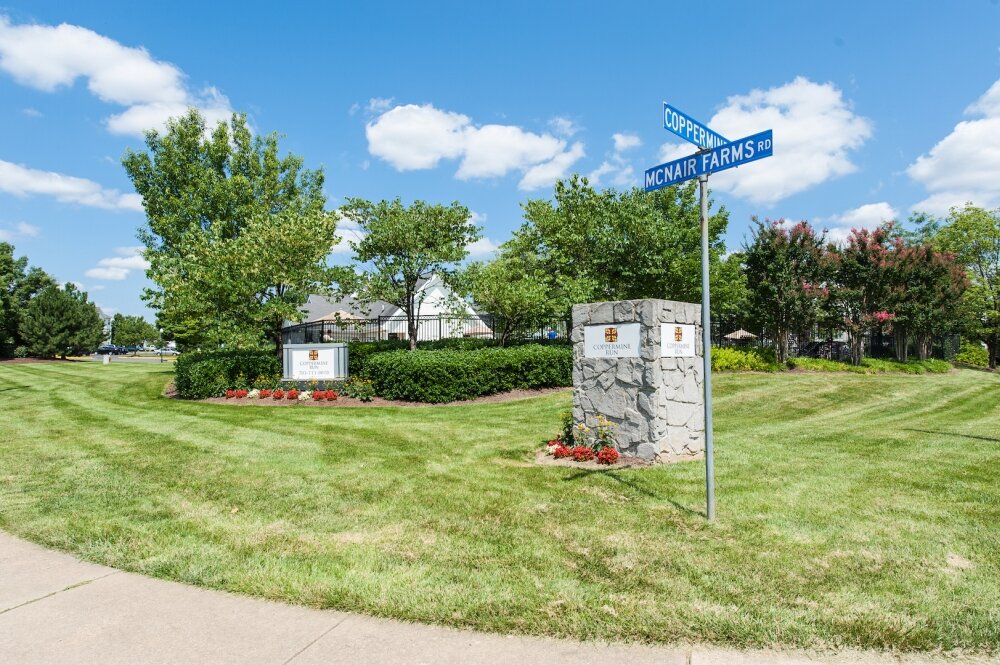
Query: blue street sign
{"points": [[689, 129], [724, 157]]}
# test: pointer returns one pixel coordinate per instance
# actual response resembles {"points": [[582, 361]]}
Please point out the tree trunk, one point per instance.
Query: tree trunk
{"points": [[991, 349], [857, 347], [902, 351], [781, 345], [411, 327], [924, 342]]}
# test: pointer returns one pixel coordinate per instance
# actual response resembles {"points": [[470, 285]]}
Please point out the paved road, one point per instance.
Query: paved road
{"points": [[57, 609]]}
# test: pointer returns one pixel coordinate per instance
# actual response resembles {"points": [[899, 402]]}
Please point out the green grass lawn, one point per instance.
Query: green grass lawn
{"points": [[853, 510]]}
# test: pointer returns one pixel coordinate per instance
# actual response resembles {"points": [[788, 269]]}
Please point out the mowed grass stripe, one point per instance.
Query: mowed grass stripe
{"points": [[836, 521]]}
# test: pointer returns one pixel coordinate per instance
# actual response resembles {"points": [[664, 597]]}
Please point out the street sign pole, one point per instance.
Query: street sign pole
{"points": [[716, 153], [706, 341]]}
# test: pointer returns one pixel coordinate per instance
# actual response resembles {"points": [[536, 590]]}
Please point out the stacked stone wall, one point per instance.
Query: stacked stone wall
{"points": [[655, 403]]}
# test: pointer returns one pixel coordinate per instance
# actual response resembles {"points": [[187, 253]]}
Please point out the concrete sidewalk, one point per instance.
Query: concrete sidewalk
{"points": [[57, 609]]}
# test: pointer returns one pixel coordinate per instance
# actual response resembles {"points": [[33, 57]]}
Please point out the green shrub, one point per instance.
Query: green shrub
{"points": [[448, 375], [358, 353], [728, 359], [21, 352], [871, 366], [204, 374], [971, 354], [358, 388]]}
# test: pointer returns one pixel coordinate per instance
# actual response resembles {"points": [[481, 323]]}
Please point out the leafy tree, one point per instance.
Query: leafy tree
{"points": [[132, 330], [785, 272], [18, 285], [972, 235], [61, 322], [925, 292], [237, 236], [858, 293], [512, 288], [609, 245], [404, 245]]}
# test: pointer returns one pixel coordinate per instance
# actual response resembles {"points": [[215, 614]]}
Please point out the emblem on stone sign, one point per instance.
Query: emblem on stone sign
{"points": [[678, 334], [611, 334], [313, 354]]}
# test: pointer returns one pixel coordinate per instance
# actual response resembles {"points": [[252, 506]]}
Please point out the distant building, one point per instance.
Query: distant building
{"points": [[328, 320]]}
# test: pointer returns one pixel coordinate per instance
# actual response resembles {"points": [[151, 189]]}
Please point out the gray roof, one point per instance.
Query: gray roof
{"points": [[318, 307]]}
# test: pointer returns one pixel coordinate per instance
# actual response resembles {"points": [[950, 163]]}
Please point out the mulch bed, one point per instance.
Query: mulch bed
{"points": [[343, 401]]}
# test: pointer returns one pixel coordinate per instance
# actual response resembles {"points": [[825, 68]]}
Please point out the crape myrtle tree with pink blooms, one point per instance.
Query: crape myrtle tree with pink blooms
{"points": [[925, 296], [860, 285], [786, 271]]}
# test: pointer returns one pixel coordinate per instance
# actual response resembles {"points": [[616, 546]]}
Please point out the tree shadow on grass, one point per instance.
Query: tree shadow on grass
{"points": [[634, 484], [964, 436]]}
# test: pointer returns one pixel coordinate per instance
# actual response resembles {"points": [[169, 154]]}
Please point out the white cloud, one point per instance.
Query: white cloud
{"points": [[31, 112], [624, 141], [48, 57], [564, 126], [482, 247], [412, 137], [118, 267], [546, 173], [814, 130], [867, 216], [379, 104], [623, 173], [127, 262], [20, 180], [964, 166], [19, 231], [348, 230], [107, 273]]}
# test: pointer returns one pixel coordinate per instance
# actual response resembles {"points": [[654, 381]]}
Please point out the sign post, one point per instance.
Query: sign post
{"points": [[716, 154]]}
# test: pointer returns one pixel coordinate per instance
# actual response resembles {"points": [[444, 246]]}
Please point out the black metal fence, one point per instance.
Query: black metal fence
{"points": [[729, 332], [429, 328], [830, 344]]}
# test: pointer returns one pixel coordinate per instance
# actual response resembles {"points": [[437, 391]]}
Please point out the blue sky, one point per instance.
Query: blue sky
{"points": [[877, 108]]}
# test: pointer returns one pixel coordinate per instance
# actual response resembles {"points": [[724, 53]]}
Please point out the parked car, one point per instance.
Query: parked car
{"points": [[107, 350], [169, 352]]}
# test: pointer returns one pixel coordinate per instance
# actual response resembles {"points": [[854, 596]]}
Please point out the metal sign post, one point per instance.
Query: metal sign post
{"points": [[706, 341], [716, 154]]}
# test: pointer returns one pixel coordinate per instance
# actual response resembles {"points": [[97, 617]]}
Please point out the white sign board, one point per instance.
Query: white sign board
{"points": [[611, 340], [318, 363], [677, 340]]}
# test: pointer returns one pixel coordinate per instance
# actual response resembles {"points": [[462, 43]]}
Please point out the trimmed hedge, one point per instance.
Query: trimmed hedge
{"points": [[202, 374], [449, 375], [358, 353]]}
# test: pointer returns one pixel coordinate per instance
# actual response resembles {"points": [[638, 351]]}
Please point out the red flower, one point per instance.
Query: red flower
{"points": [[292, 394], [241, 393], [582, 454], [278, 394], [265, 393], [319, 395], [331, 395], [607, 456], [230, 394], [561, 451]]}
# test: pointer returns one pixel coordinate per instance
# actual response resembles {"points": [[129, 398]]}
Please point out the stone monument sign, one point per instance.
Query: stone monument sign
{"points": [[636, 362]]}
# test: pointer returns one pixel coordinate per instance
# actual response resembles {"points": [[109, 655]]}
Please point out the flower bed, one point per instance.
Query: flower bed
{"points": [[581, 443]]}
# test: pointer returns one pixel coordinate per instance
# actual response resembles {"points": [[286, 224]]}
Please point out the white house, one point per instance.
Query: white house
{"points": [[348, 318]]}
